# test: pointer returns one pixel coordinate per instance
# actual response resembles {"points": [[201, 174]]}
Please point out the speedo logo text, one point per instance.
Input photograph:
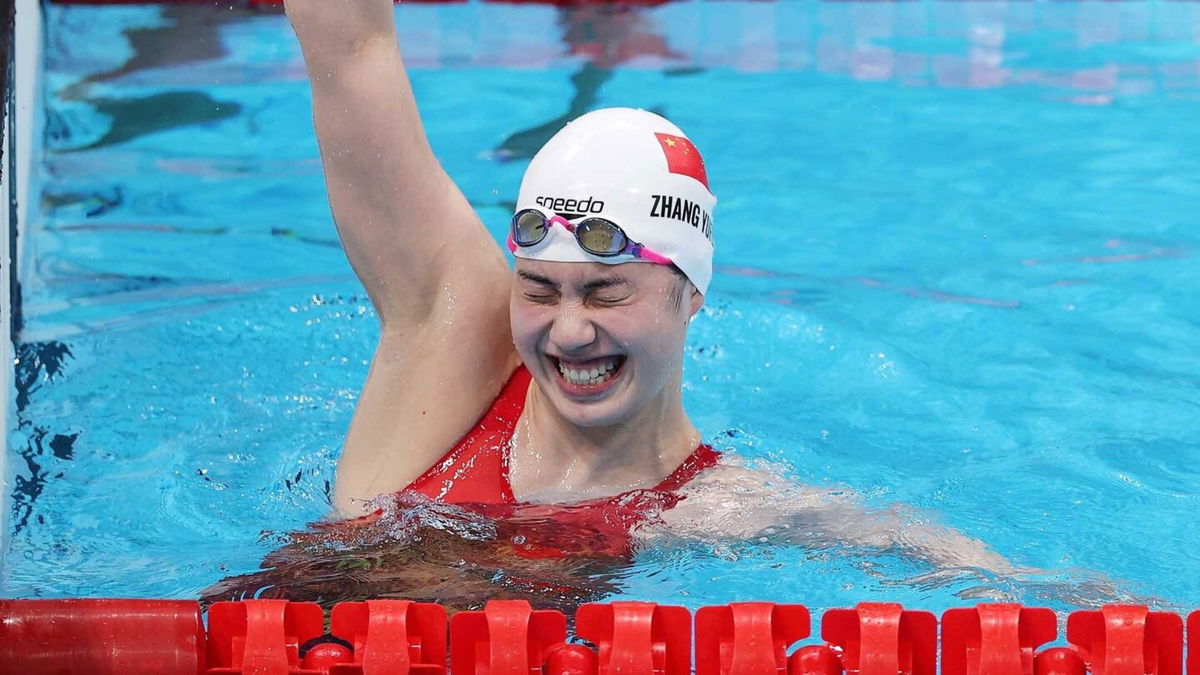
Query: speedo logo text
{"points": [[571, 208]]}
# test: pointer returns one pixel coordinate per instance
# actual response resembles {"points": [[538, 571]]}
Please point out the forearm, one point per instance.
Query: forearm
{"points": [[901, 531], [384, 183]]}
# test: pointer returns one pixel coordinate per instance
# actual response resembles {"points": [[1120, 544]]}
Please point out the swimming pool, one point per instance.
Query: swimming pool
{"points": [[956, 270]]}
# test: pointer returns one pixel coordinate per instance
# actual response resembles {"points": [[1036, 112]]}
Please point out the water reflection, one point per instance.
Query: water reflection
{"points": [[1085, 53], [418, 549], [606, 36], [188, 35]]}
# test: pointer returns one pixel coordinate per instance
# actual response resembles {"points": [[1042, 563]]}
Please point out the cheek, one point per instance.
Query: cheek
{"points": [[526, 325], [653, 334], [532, 326]]}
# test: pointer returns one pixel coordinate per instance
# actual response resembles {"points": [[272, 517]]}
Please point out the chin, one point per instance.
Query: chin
{"points": [[598, 414]]}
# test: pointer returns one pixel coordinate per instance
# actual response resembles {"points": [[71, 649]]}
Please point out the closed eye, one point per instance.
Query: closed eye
{"points": [[540, 298], [537, 288], [610, 299]]}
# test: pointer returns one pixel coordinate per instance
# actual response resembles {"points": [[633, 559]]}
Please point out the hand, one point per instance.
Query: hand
{"points": [[1062, 590]]}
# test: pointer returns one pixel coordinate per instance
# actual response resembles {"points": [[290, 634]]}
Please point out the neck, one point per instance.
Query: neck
{"points": [[555, 460]]}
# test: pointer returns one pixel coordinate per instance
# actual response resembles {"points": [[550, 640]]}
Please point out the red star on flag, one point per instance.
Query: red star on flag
{"points": [[683, 157]]}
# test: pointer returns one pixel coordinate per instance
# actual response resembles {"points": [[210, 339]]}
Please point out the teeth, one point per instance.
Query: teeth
{"points": [[589, 376]]}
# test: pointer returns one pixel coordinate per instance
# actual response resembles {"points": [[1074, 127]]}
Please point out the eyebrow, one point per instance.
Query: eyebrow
{"points": [[593, 285], [604, 282], [537, 278]]}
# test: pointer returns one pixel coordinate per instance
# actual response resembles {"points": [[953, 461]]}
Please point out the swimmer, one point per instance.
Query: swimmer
{"points": [[613, 251], [558, 380]]}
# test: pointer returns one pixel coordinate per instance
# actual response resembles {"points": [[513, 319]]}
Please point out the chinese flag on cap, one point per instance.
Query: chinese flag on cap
{"points": [[683, 157]]}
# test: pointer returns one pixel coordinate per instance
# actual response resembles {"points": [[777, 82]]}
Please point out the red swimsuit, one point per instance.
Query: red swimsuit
{"points": [[476, 472]]}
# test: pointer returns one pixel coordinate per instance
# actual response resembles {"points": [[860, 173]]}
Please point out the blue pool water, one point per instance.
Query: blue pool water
{"points": [[957, 272]]}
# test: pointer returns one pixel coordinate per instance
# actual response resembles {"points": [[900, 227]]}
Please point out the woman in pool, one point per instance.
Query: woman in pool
{"points": [[602, 340], [557, 381]]}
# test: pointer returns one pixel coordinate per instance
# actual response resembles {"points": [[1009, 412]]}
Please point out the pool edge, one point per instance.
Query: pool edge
{"points": [[21, 131]]}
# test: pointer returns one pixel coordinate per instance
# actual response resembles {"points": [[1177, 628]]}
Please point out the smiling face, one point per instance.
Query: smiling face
{"points": [[602, 341]]}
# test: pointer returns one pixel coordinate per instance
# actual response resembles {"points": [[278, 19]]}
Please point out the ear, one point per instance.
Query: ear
{"points": [[696, 302]]}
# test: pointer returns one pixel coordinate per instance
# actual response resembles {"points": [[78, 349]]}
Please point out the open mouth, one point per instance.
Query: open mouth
{"points": [[592, 374]]}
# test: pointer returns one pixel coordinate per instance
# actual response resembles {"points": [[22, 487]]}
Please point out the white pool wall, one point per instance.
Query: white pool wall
{"points": [[21, 138]]}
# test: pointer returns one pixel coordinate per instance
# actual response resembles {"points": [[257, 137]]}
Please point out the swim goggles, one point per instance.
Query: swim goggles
{"points": [[598, 236]]}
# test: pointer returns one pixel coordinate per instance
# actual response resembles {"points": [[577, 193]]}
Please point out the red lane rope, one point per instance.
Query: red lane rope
{"points": [[508, 637]]}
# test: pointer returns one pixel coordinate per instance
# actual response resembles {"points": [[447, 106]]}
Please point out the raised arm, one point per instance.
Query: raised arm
{"points": [[438, 281], [405, 226]]}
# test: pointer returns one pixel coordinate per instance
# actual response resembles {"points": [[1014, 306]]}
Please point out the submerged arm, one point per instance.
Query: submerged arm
{"points": [[732, 502], [736, 503]]}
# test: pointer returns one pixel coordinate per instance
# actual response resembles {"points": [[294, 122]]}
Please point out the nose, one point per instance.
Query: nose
{"points": [[572, 329]]}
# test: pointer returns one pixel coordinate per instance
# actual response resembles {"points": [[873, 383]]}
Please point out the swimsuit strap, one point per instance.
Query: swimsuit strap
{"points": [[509, 404], [475, 469], [703, 457]]}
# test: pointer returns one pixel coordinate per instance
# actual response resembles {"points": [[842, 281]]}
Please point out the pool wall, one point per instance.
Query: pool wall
{"points": [[22, 128]]}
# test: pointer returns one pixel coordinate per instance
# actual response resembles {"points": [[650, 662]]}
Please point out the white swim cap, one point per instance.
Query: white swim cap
{"points": [[631, 167]]}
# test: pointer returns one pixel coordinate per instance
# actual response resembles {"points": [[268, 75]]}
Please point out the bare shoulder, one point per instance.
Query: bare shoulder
{"points": [[428, 385], [733, 477]]}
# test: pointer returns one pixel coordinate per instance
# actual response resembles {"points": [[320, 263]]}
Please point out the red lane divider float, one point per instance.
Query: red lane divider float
{"points": [[753, 637], [398, 637], [506, 638], [261, 637], [638, 637], [1128, 640], [56, 637], [390, 636], [999, 639], [883, 639]]}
